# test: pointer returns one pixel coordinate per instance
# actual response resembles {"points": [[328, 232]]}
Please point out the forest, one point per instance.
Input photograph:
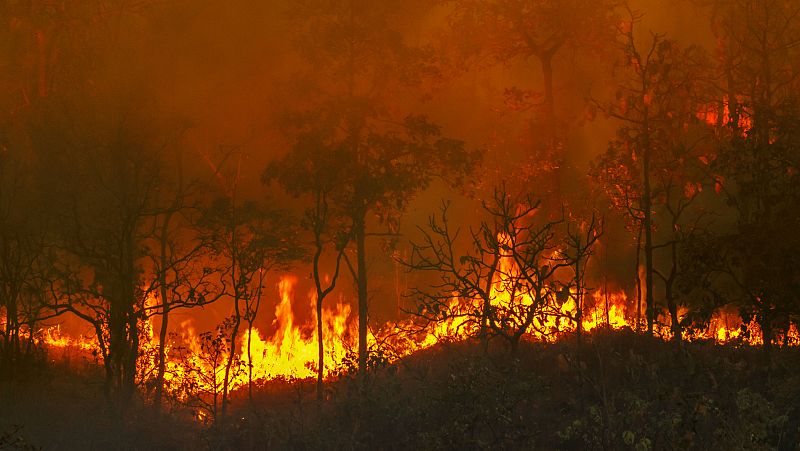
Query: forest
{"points": [[400, 224]]}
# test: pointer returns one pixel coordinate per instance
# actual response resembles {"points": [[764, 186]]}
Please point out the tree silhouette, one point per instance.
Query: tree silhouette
{"points": [[507, 284], [501, 31], [385, 158], [653, 161], [755, 165], [313, 170], [112, 173], [179, 254], [249, 241], [24, 251]]}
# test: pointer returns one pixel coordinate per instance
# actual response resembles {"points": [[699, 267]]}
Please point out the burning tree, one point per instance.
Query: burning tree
{"points": [[652, 166], [509, 283], [203, 366], [756, 164], [385, 157], [581, 236], [249, 241], [313, 170]]}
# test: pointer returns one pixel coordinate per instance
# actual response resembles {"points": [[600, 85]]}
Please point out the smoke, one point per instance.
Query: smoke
{"points": [[220, 75]]}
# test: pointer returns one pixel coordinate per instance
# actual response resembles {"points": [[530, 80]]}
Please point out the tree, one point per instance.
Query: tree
{"points": [[507, 284], [579, 247], [756, 40], [759, 252], [385, 161], [204, 363], [679, 183], [249, 240], [98, 164], [501, 31], [755, 166], [653, 162], [23, 255], [107, 178], [181, 276], [32, 36], [312, 170]]}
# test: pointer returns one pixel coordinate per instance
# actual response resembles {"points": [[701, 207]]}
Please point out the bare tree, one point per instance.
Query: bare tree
{"points": [[506, 284], [182, 277]]}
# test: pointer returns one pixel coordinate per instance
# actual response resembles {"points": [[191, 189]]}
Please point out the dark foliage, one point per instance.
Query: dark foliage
{"points": [[627, 392]]}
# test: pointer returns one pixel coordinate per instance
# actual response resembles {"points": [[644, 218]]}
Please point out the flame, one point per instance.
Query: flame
{"points": [[710, 114], [53, 337], [292, 352], [198, 361]]}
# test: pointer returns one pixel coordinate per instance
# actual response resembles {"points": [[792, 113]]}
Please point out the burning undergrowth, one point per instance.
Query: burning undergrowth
{"points": [[617, 390], [196, 362]]}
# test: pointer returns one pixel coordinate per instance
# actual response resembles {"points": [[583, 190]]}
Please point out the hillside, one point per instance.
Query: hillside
{"points": [[625, 392]]}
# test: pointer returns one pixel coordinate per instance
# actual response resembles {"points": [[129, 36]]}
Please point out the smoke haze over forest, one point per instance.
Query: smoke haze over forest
{"points": [[199, 199]]}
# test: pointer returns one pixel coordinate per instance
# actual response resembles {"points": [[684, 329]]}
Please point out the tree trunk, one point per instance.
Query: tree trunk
{"points": [[320, 298], [229, 363], [132, 348], [638, 280], [605, 292], [11, 348], [765, 321], [669, 294], [363, 296], [162, 336], [551, 153], [674, 320], [648, 222], [116, 351], [546, 60], [250, 361], [321, 347], [162, 357], [131, 321], [237, 313], [578, 299]]}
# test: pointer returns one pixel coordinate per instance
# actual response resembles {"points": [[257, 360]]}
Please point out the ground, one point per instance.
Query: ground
{"points": [[617, 390]]}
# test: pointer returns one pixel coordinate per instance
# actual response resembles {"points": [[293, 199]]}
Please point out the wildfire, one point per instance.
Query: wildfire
{"points": [[53, 337], [712, 116], [292, 350], [199, 360]]}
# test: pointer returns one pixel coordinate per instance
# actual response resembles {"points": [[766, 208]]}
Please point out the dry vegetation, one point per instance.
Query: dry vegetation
{"points": [[629, 392]]}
